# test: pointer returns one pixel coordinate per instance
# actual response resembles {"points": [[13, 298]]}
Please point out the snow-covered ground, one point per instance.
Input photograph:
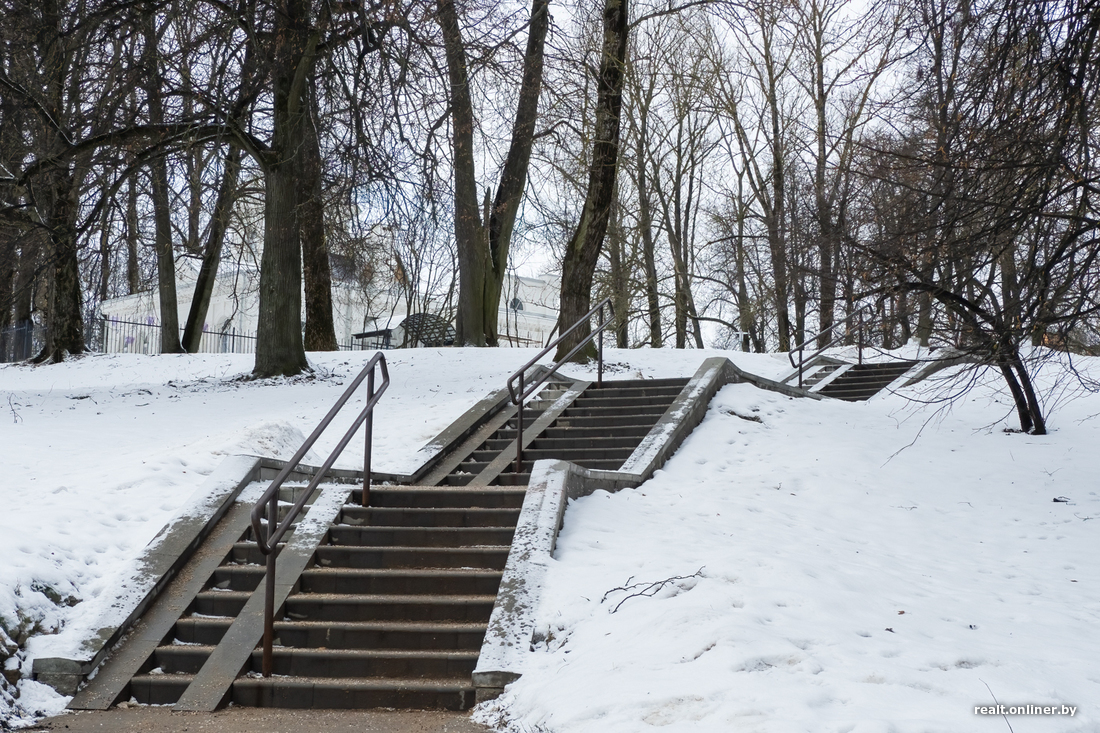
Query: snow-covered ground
{"points": [[884, 566]]}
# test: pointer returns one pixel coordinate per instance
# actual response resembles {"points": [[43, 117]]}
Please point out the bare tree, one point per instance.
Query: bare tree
{"points": [[583, 250], [483, 238], [999, 220]]}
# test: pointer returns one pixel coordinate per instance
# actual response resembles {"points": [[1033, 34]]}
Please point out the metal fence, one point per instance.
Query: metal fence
{"points": [[128, 337], [21, 342], [115, 336]]}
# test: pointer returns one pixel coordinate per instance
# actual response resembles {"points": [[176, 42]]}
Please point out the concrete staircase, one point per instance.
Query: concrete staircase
{"points": [[379, 606], [831, 377], [598, 428], [863, 381], [393, 612]]}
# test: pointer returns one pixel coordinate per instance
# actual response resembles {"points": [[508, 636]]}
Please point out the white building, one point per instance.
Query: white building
{"points": [[528, 313]]}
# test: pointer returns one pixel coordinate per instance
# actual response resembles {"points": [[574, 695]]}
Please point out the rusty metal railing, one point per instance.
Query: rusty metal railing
{"points": [[520, 374], [800, 348], [269, 541]]}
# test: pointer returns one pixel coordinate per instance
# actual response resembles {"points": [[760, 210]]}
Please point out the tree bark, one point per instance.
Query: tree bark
{"points": [[279, 347], [483, 242], [620, 283], [645, 223], [26, 274], [64, 319], [212, 252], [133, 272], [583, 249], [320, 332], [8, 238], [162, 216]]}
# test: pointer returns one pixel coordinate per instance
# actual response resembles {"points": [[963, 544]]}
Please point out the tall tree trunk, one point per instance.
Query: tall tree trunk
{"points": [[133, 273], [620, 283], [279, 347], [320, 333], [776, 222], [645, 223], [64, 319], [483, 242], [8, 238], [105, 252], [26, 275], [583, 250], [470, 239], [212, 253], [166, 261], [746, 320], [162, 213]]}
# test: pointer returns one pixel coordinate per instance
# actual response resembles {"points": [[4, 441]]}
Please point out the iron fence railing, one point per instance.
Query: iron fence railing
{"points": [[130, 337], [21, 342]]}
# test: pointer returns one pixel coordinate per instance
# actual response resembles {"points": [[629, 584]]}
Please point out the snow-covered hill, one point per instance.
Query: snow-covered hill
{"points": [[884, 566]]}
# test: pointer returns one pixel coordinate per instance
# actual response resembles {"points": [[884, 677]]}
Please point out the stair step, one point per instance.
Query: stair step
{"points": [[487, 497], [199, 630], [636, 411], [221, 602], [186, 658], [578, 450], [159, 689], [405, 663], [577, 455], [403, 581], [343, 534], [425, 517], [353, 693], [349, 607], [608, 421], [381, 634], [603, 464], [245, 552], [492, 558], [513, 479], [582, 432], [601, 443], [244, 578], [629, 401], [641, 383]]}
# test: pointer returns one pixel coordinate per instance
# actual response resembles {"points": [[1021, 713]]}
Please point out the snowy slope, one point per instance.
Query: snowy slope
{"points": [[858, 570], [811, 534]]}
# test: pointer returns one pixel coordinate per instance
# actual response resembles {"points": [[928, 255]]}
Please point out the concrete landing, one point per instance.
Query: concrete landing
{"points": [[142, 719]]}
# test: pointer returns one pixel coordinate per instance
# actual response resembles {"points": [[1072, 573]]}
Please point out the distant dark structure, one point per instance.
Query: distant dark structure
{"points": [[419, 329], [427, 329]]}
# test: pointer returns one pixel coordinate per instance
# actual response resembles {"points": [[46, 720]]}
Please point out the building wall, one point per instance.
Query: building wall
{"points": [[528, 313]]}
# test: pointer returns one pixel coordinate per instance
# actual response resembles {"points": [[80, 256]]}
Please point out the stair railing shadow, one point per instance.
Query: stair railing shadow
{"points": [[800, 348], [526, 391], [270, 499]]}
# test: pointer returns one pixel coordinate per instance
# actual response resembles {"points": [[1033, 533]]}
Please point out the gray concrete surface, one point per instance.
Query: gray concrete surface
{"points": [[145, 719]]}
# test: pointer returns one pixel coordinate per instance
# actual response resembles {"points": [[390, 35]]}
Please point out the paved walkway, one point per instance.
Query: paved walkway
{"points": [[257, 720]]}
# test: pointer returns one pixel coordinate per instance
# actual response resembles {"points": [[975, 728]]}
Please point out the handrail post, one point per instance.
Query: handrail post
{"points": [[369, 430], [801, 363], [269, 588], [519, 427], [599, 368], [859, 341]]}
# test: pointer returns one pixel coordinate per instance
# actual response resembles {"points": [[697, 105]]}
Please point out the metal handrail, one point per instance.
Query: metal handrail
{"points": [[800, 348], [518, 400], [270, 498]]}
